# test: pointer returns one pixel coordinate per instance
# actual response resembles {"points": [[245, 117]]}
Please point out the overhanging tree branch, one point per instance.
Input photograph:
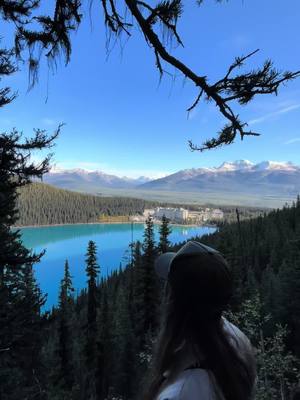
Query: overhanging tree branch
{"points": [[53, 38], [242, 88]]}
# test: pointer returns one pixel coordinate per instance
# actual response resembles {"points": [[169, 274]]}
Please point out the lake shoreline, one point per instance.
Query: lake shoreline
{"points": [[110, 223]]}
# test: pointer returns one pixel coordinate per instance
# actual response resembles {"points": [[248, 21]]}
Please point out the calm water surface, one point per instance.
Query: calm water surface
{"points": [[70, 242]]}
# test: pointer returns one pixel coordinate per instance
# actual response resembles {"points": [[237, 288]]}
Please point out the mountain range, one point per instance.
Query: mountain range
{"points": [[79, 179], [267, 177], [280, 180]]}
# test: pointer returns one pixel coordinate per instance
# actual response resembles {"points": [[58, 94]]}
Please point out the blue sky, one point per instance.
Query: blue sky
{"points": [[120, 119]]}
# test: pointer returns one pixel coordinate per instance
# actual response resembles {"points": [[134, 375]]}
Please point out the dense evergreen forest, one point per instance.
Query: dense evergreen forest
{"points": [[99, 345], [42, 204]]}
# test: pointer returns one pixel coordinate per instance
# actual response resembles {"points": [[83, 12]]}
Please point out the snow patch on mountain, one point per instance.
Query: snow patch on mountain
{"points": [[237, 175], [235, 165], [276, 165]]}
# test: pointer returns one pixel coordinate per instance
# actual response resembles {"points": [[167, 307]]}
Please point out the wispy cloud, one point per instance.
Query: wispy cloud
{"points": [[294, 140], [274, 114]]}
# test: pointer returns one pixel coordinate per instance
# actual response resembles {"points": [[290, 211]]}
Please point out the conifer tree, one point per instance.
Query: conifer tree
{"points": [[66, 288], [27, 375], [65, 333], [105, 345], [92, 271], [123, 342], [150, 281], [91, 345], [164, 232], [20, 297], [138, 291], [289, 294]]}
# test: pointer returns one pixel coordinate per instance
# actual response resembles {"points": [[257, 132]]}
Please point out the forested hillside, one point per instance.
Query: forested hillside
{"points": [[100, 343], [41, 204]]}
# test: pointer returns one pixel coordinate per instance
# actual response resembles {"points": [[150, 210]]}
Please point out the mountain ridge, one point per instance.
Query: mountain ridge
{"points": [[226, 166], [242, 178]]}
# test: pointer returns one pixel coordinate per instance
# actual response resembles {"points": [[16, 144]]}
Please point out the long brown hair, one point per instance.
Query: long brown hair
{"points": [[197, 292]]}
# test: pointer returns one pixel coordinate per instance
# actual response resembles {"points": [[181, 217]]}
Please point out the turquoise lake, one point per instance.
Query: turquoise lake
{"points": [[70, 242]]}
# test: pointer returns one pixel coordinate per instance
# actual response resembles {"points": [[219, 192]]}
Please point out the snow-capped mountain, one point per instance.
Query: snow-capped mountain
{"points": [[81, 179], [275, 165], [267, 178], [234, 166]]}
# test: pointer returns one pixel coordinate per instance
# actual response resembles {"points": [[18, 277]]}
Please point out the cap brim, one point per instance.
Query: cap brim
{"points": [[162, 264]]}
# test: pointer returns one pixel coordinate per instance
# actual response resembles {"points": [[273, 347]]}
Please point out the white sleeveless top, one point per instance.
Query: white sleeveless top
{"points": [[198, 383]]}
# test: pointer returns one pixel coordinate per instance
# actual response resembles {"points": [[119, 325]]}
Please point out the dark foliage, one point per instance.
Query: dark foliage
{"points": [[164, 232], [20, 297], [91, 328], [65, 354], [271, 260]]}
